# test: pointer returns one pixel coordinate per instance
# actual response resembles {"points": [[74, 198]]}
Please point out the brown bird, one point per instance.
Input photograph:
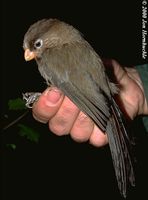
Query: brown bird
{"points": [[66, 60]]}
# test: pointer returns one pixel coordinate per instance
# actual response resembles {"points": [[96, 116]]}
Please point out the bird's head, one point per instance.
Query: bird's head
{"points": [[45, 34]]}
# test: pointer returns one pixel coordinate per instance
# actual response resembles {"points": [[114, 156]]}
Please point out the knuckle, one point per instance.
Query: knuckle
{"points": [[59, 126], [40, 119], [98, 138], [83, 119], [68, 110], [79, 136], [82, 128]]}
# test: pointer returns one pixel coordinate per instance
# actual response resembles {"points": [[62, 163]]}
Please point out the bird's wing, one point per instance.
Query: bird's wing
{"points": [[119, 142], [87, 105], [77, 75], [83, 88]]}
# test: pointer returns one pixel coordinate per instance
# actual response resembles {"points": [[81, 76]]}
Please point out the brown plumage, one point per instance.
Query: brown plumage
{"points": [[66, 60]]}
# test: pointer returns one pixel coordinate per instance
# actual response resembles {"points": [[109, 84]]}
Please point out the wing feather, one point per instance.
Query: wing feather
{"points": [[71, 71]]}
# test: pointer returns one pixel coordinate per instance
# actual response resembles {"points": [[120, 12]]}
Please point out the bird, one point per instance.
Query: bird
{"points": [[66, 60]]}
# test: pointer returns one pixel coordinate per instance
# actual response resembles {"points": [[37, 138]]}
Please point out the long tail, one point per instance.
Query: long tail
{"points": [[120, 147]]}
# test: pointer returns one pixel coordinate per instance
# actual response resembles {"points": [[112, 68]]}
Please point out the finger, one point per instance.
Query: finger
{"points": [[98, 138], [116, 68], [47, 105], [82, 128], [63, 121]]}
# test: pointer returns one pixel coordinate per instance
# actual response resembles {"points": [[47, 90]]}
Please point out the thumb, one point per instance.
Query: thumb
{"points": [[118, 71], [48, 104]]}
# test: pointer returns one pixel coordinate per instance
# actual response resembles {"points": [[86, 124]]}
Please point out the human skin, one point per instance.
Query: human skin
{"points": [[63, 116]]}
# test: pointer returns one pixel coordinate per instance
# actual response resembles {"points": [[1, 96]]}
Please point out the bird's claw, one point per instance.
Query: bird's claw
{"points": [[30, 98]]}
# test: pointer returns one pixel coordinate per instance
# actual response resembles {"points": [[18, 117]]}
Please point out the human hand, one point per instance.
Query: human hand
{"points": [[63, 116]]}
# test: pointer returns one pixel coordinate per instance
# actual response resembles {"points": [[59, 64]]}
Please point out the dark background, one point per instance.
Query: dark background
{"points": [[58, 167]]}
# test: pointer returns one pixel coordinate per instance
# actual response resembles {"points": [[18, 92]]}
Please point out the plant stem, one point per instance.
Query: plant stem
{"points": [[15, 121]]}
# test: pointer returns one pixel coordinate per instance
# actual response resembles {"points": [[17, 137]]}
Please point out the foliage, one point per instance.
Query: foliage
{"points": [[24, 130], [16, 104], [12, 146], [29, 133]]}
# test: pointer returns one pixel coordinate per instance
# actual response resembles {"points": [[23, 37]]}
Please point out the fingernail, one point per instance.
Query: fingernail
{"points": [[53, 96]]}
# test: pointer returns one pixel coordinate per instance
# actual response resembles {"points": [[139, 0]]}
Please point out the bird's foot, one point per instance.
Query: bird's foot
{"points": [[30, 98]]}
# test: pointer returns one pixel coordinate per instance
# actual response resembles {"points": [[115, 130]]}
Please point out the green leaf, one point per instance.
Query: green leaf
{"points": [[29, 133], [16, 104], [12, 146]]}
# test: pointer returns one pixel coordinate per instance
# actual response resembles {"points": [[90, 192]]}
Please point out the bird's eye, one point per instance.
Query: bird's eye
{"points": [[38, 43]]}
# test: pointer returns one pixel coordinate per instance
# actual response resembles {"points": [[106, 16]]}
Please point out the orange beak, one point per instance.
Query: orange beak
{"points": [[29, 55]]}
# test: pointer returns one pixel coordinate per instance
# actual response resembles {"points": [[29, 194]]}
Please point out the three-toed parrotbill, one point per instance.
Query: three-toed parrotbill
{"points": [[67, 61]]}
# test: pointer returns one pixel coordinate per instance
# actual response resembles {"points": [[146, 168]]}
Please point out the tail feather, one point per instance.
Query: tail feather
{"points": [[120, 147]]}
